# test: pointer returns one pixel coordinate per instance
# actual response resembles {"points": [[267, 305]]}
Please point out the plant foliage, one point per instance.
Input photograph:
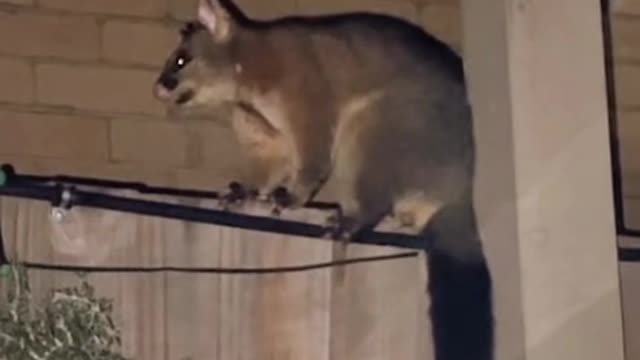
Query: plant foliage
{"points": [[72, 323]]}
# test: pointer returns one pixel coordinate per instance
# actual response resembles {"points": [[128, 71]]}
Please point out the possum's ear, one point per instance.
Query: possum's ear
{"points": [[216, 19]]}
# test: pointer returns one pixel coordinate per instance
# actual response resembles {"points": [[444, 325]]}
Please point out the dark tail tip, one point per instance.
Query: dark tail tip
{"points": [[461, 308]]}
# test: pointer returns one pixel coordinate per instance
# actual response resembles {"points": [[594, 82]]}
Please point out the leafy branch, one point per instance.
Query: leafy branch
{"points": [[72, 324]]}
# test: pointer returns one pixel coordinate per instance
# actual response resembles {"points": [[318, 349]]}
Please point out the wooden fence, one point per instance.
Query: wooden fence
{"points": [[377, 310]]}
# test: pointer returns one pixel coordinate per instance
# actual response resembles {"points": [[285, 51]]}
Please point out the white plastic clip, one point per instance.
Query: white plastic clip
{"points": [[58, 215]]}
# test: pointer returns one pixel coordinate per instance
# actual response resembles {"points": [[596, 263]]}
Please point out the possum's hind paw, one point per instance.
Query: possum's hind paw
{"points": [[341, 228]]}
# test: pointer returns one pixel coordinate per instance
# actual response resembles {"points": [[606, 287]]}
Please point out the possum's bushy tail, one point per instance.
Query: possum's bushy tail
{"points": [[459, 287]]}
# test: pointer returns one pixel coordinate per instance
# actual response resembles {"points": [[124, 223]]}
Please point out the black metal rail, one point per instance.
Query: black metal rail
{"points": [[624, 254], [62, 191], [612, 114], [629, 255]]}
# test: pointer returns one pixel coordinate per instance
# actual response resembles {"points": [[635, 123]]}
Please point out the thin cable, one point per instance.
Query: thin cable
{"points": [[217, 270]]}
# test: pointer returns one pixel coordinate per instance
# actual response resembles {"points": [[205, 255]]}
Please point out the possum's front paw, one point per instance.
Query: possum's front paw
{"points": [[281, 199], [284, 198], [236, 194]]}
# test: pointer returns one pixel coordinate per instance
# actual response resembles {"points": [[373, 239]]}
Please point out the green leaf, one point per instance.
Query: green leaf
{"points": [[5, 271], [72, 324]]}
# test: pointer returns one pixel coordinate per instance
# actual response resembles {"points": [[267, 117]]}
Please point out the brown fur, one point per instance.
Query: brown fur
{"points": [[366, 104]]}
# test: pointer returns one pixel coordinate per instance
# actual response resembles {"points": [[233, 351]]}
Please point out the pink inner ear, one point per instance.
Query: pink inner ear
{"points": [[206, 15]]}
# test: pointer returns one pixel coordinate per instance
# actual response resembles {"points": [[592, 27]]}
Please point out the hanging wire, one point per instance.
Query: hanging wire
{"points": [[215, 270]]}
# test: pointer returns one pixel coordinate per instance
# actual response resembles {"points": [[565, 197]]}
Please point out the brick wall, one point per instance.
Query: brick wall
{"points": [[77, 96], [626, 40], [77, 86]]}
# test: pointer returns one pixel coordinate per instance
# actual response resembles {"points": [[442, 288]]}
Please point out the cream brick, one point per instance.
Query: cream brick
{"points": [[629, 7], [631, 206], [206, 145], [261, 9], [629, 161], [444, 22], [18, 78], [105, 89], [183, 9], [186, 9], [150, 142], [141, 43], [17, 2], [629, 148], [30, 134], [150, 174], [629, 141], [630, 183], [404, 9], [146, 8], [204, 179], [626, 38], [627, 79], [441, 2], [218, 149], [69, 37]]}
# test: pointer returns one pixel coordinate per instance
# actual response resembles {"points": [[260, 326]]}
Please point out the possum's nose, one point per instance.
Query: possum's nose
{"points": [[165, 84], [161, 92]]}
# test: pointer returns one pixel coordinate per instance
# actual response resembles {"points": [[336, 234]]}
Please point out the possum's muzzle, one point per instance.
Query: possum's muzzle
{"points": [[163, 93], [185, 97], [160, 92]]}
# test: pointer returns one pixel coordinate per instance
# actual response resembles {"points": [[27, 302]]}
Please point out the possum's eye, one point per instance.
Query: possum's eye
{"points": [[182, 59]]}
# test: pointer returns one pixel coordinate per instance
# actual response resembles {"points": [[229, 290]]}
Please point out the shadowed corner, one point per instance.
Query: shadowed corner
{"points": [[5, 172], [4, 260], [461, 294]]}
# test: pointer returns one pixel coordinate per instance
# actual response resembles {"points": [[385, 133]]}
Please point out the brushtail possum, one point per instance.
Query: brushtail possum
{"points": [[368, 103]]}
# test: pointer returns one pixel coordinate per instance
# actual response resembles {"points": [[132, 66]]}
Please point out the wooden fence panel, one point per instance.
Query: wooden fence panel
{"points": [[376, 311]]}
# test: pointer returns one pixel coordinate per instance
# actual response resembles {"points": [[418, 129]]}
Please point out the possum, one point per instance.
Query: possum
{"points": [[367, 103]]}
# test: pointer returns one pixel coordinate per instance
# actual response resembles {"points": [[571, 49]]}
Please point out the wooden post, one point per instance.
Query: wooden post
{"points": [[544, 192]]}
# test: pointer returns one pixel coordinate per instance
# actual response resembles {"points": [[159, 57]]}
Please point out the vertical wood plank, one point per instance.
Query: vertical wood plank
{"points": [[248, 316], [379, 310]]}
